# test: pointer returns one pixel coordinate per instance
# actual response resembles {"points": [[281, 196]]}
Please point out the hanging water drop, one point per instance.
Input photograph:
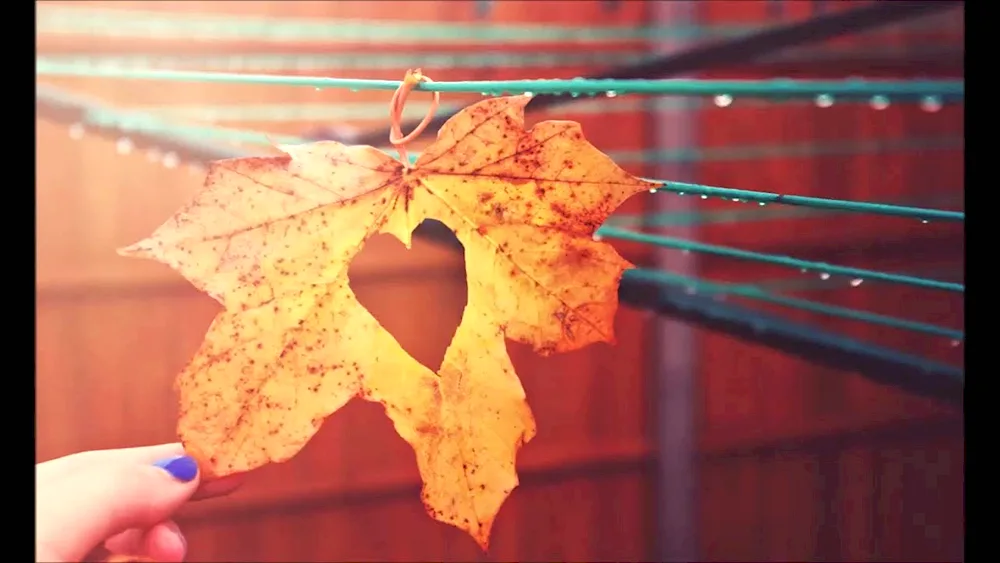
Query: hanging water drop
{"points": [[723, 100], [703, 196], [123, 145], [924, 221], [685, 252], [824, 100], [856, 282], [803, 270], [318, 89], [76, 131], [170, 160], [931, 104], [611, 93], [824, 276], [681, 193], [652, 190], [879, 102], [596, 237], [529, 94], [736, 200], [761, 203], [955, 343]]}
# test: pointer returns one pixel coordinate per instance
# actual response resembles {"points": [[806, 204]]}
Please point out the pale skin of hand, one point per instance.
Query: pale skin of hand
{"points": [[117, 500]]}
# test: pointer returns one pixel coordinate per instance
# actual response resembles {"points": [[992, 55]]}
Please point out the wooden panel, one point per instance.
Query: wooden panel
{"points": [[531, 12], [805, 463], [860, 497], [568, 519]]}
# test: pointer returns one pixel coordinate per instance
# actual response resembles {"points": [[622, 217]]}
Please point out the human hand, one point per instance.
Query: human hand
{"points": [[123, 499]]}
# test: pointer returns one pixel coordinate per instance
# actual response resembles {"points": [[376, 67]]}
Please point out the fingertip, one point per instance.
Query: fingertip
{"points": [[165, 543], [184, 468]]}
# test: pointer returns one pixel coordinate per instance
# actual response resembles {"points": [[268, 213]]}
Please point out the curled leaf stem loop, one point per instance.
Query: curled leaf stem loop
{"points": [[411, 80]]}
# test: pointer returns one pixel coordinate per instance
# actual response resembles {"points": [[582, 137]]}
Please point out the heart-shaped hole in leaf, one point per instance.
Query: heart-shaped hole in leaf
{"points": [[419, 305]]}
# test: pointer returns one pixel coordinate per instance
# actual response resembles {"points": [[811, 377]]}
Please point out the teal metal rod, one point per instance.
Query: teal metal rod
{"points": [[682, 188], [859, 275], [705, 287], [132, 122], [802, 284], [364, 111], [947, 90], [658, 220], [126, 122]]}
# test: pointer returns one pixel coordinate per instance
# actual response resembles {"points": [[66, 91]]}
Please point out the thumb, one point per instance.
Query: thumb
{"points": [[81, 511]]}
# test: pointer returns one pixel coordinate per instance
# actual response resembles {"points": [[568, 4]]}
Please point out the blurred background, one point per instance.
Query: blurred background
{"points": [[678, 443]]}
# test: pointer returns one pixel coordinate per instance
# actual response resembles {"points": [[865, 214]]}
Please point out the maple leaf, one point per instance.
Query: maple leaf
{"points": [[271, 238]]}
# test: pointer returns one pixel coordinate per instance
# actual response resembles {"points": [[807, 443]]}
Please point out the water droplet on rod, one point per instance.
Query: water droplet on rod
{"points": [[652, 190], [879, 102], [170, 160], [596, 237], [824, 100], [611, 93], [124, 145], [931, 104], [856, 282], [955, 343], [723, 100], [529, 94], [761, 203], [824, 276], [704, 197]]}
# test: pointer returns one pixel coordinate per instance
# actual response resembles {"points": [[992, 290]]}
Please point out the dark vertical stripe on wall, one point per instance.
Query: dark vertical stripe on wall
{"points": [[483, 8], [674, 378], [828, 539], [775, 9]]}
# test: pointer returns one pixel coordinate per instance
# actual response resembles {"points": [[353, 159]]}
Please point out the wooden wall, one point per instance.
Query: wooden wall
{"points": [[798, 463], [113, 332], [801, 462]]}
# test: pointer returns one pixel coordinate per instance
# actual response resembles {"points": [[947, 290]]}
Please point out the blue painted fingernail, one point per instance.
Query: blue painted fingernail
{"points": [[183, 468]]}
